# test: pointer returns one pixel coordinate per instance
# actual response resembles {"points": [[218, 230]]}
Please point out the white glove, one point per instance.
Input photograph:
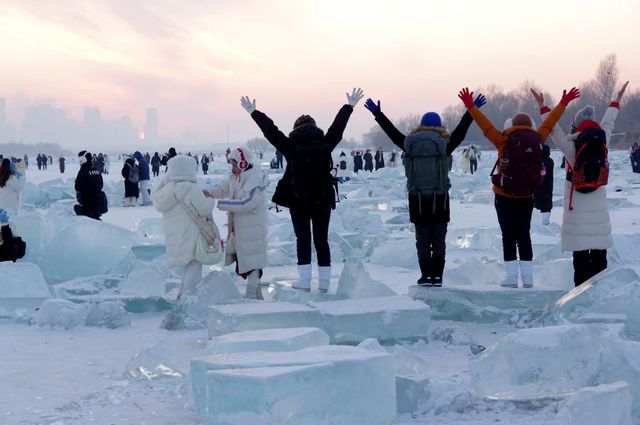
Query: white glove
{"points": [[247, 104], [355, 96]]}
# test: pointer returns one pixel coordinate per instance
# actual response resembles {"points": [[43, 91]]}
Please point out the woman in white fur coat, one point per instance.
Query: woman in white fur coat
{"points": [[242, 196], [179, 186], [586, 226]]}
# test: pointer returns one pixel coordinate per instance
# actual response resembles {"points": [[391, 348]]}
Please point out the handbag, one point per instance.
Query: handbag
{"points": [[209, 248]]}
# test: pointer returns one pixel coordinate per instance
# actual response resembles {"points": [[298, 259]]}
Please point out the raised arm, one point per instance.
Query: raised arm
{"points": [[460, 132], [335, 131], [609, 119], [385, 123], [268, 128], [547, 126], [490, 131]]}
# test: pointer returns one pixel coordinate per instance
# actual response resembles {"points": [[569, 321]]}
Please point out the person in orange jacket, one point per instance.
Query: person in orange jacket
{"points": [[520, 172]]}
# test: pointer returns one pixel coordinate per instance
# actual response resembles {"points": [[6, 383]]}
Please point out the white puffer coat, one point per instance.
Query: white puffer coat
{"points": [[244, 200], [10, 194], [587, 226], [180, 231]]}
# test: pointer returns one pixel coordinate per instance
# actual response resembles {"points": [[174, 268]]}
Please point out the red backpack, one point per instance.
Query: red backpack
{"points": [[520, 167], [590, 168]]}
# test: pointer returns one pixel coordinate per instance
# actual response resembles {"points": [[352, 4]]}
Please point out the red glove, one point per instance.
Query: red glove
{"points": [[466, 97], [573, 94]]}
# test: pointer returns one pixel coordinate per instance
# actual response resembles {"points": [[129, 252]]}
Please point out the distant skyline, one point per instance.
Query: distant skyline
{"points": [[193, 60]]}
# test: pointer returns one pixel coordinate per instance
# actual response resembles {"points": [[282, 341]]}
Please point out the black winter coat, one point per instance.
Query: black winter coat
{"points": [[88, 186], [8, 251], [543, 197], [131, 189], [427, 209], [284, 194]]}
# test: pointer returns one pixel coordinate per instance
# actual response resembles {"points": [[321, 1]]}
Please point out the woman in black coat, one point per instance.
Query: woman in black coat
{"points": [[131, 179], [307, 187], [543, 198]]}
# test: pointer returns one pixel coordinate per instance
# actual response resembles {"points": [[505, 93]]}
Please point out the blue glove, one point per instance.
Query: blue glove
{"points": [[4, 217], [12, 168], [480, 100], [372, 106]]}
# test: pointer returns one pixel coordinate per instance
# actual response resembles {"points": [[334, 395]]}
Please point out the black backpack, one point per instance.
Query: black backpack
{"points": [[313, 184], [343, 165]]}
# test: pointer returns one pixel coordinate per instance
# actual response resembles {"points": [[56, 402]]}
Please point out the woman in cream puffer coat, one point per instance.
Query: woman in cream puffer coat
{"points": [[242, 196], [179, 186], [586, 226]]}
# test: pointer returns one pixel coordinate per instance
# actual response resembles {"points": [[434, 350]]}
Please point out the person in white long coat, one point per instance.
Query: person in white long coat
{"points": [[12, 182], [177, 189], [242, 196], [586, 226]]}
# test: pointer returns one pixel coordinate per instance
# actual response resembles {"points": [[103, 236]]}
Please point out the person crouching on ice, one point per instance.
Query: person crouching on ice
{"points": [[242, 196]]}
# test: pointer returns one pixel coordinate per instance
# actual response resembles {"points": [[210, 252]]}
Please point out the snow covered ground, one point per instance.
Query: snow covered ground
{"points": [[92, 361]]}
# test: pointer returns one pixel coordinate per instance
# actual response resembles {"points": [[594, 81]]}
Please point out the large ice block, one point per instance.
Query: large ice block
{"points": [[190, 312], [162, 360], [519, 366], [144, 280], [514, 306], [253, 316], [85, 247], [355, 282], [318, 385], [284, 339], [605, 404], [22, 289], [614, 291], [384, 318], [59, 313], [396, 253]]}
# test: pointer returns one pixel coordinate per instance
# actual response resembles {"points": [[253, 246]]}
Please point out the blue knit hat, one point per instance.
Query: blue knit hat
{"points": [[431, 119]]}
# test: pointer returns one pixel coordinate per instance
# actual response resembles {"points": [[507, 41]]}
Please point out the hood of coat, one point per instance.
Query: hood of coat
{"points": [[440, 130], [252, 178], [182, 168], [306, 133], [138, 155]]}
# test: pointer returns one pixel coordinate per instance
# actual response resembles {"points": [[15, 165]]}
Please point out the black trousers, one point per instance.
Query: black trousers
{"points": [[430, 241], [304, 220], [514, 216], [587, 264]]}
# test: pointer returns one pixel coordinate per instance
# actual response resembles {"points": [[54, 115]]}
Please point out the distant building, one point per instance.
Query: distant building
{"points": [[151, 126]]}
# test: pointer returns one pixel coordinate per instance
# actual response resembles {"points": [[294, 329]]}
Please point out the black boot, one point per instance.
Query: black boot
{"points": [[437, 271], [425, 270]]}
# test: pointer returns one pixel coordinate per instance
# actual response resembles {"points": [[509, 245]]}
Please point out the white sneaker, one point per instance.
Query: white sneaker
{"points": [[511, 281], [526, 273], [304, 278], [324, 278]]}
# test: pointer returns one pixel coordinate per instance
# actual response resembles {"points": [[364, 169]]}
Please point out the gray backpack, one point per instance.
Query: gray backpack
{"points": [[425, 164]]}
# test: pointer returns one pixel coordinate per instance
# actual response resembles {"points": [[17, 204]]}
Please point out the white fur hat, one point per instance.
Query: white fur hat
{"points": [[242, 157], [182, 167]]}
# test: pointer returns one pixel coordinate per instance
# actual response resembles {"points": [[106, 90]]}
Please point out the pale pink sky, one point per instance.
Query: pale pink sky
{"points": [[194, 59]]}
